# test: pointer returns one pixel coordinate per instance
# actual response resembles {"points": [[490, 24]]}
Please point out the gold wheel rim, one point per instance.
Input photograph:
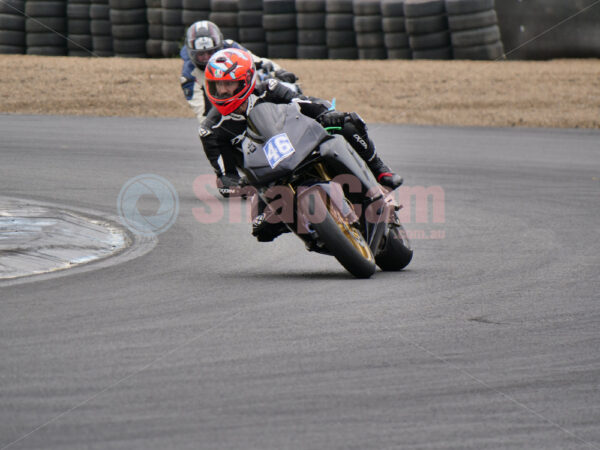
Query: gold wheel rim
{"points": [[352, 234]]}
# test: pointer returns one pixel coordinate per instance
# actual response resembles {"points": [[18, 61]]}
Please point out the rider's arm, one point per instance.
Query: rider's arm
{"points": [[198, 102], [212, 142], [187, 79], [265, 64], [259, 62], [265, 68], [191, 85], [312, 107], [274, 91]]}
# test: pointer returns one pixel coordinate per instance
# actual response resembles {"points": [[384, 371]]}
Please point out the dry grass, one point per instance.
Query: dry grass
{"points": [[562, 93]]}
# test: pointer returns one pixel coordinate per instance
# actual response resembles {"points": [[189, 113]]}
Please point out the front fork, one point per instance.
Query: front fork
{"points": [[378, 207]]}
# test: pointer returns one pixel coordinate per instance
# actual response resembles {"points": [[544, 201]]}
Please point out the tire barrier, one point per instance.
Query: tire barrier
{"points": [[45, 28], [279, 22], [155, 30], [101, 29], [225, 14], [474, 29], [427, 27], [339, 26], [367, 25], [393, 25], [308, 29], [79, 28], [312, 36], [194, 11], [172, 27], [129, 27], [251, 32], [12, 27]]}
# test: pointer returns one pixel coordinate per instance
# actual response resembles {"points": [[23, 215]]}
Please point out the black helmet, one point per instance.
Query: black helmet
{"points": [[202, 39]]}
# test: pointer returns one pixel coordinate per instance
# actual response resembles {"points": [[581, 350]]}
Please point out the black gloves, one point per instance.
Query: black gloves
{"points": [[332, 119], [286, 76], [265, 67], [267, 70]]}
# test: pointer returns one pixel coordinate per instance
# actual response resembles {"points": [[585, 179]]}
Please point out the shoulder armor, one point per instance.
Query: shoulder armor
{"points": [[204, 131], [208, 125]]}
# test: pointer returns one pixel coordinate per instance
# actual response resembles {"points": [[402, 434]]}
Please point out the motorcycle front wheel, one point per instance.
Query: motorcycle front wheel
{"points": [[342, 240]]}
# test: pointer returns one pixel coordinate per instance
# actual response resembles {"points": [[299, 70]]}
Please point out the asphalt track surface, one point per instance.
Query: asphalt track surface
{"points": [[488, 340]]}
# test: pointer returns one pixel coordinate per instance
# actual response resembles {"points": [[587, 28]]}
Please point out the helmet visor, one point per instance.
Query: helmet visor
{"points": [[200, 57], [224, 90]]}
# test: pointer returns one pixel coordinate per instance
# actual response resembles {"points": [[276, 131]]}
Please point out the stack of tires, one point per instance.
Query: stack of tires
{"points": [[155, 31], [427, 27], [129, 27], [312, 36], [279, 22], [225, 14], [194, 11], [172, 26], [367, 25], [251, 32], [395, 37], [339, 23], [79, 26], [474, 29], [101, 28], [12, 26], [46, 27]]}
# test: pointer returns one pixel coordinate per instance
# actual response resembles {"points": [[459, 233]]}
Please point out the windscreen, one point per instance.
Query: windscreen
{"points": [[268, 119]]}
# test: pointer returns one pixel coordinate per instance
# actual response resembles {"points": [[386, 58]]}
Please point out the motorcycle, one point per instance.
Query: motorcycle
{"points": [[312, 182]]}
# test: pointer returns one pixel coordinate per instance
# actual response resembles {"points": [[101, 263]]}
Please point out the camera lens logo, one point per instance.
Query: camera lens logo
{"points": [[144, 187]]}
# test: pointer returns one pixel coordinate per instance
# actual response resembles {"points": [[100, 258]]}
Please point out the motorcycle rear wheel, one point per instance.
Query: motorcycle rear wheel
{"points": [[344, 242], [396, 253]]}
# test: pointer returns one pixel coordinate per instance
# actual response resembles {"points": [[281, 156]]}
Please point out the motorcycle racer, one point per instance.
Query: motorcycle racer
{"points": [[232, 88]]}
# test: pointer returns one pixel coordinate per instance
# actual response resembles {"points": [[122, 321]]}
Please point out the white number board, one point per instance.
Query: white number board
{"points": [[278, 148]]}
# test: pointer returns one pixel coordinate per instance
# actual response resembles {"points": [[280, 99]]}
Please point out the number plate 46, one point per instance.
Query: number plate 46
{"points": [[278, 148]]}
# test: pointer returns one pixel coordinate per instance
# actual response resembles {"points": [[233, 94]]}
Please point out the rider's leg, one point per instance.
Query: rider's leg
{"points": [[355, 132]]}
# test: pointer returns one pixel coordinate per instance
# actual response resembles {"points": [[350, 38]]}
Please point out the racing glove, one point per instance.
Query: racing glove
{"points": [[266, 67], [286, 76], [332, 119]]}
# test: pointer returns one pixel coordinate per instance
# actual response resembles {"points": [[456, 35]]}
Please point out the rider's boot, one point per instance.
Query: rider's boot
{"points": [[355, 132], [228, 184], [262, 228], [383, 173]]}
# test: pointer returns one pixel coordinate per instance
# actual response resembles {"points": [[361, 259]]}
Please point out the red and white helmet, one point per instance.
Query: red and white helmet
{"points": [[230, 64]]}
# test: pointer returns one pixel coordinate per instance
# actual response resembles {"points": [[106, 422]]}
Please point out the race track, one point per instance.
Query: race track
{"points": [[488, 340]]}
